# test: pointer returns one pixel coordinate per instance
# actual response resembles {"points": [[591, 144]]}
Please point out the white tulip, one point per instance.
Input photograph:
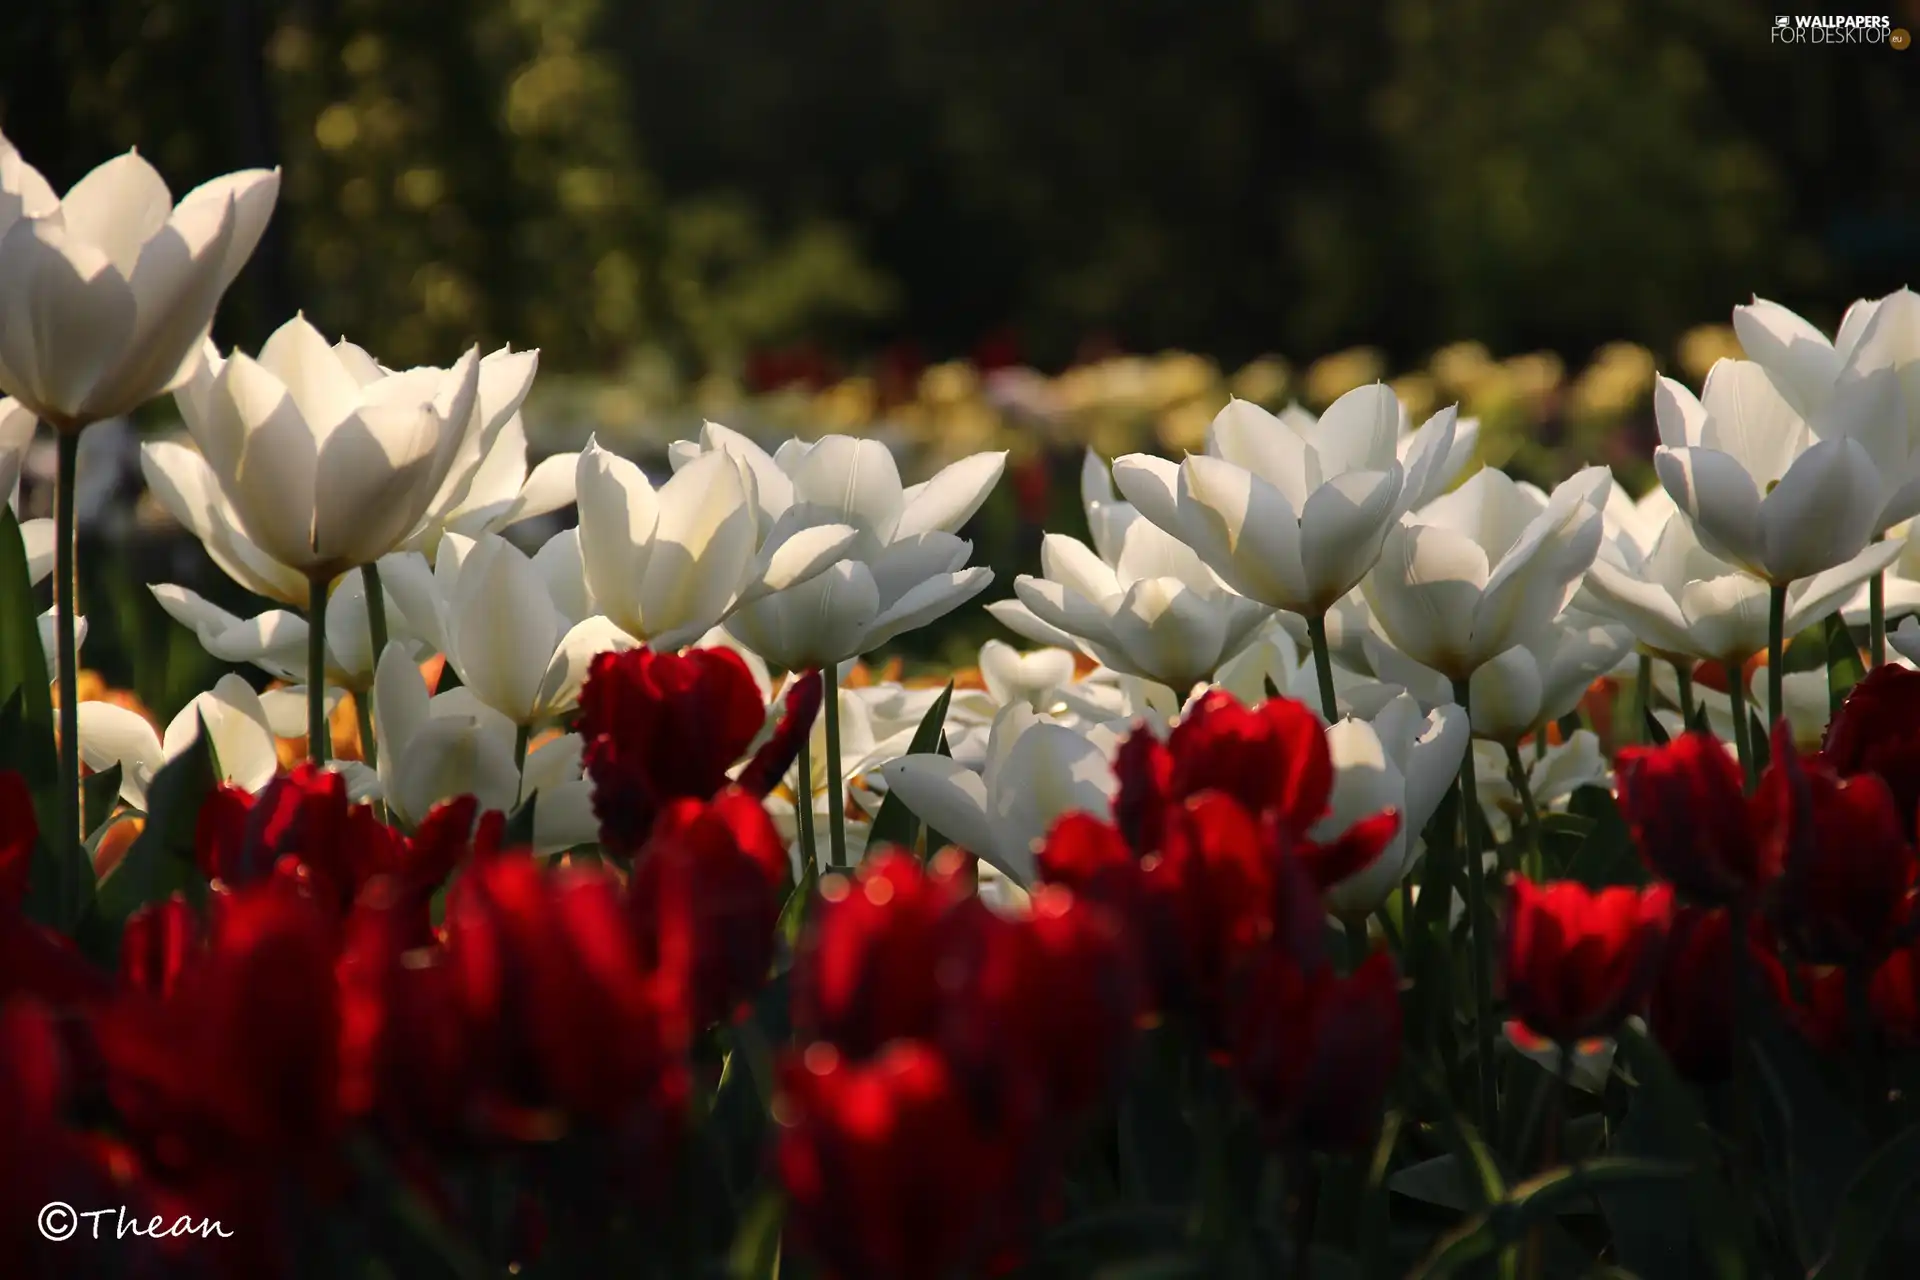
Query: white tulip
{"points": [[1482, 569], [1764, 491], [107, 293], [669, 564], [1034, 772], [1808, 707], [1684, 602], [861, 752], [328, 462], [1529, 686], [185, 486], [243, 740], [1553, 778], [17, 427], [502, 629], [1460, 454], [1292, 520], [1905, 640], [276, 641], [1402, 760], [1032, 678], [905, 566], [1273, 661], [1144, 606]]}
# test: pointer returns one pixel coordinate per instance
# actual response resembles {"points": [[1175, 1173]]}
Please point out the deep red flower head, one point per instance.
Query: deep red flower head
{"points": [[1847, 867], [1272, 758], [563, 1017], [235, 1068], [867, 969], [1690, 1010], [1044, 1002], [1315, 1050], [661, 727], [1575, 962], [1877, 730], [158, 943], [404, 1059], [1685, 804], [1895, 995], [299, 825], [706, 894], [888, 1170]]}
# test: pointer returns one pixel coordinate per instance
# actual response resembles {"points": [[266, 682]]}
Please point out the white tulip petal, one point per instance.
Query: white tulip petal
{"points": [[952, 496]]}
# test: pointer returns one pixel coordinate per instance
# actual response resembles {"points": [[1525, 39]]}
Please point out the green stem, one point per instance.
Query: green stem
{"points": [[1642, 701], [319, 736], [1540, 745], [836, 789], [803, 809], [1683, 676], [1741, 1089], [1742, 727], [1776, 647], [1873, 1087], [68, 836], [377, 630], [1523, 785], [1877, 618], [1480, 923], [1323, 667], [521, 734], [1359, 945]]}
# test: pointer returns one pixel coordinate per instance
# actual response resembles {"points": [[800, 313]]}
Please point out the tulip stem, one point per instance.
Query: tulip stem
{"points": [[1742, 730], [1776, 646], [1323, 667], [69, 838], [1359, 945], [377, 631], [1642, 701], [520, 735], [318, 734], [1877, 619], [1481, 925], [1873, 1086], [1523, 786], [836, 790], [803, 811], [1683, 676]]}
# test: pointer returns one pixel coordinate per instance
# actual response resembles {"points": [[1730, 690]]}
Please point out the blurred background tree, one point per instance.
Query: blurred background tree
{"points": [[709, 178]]}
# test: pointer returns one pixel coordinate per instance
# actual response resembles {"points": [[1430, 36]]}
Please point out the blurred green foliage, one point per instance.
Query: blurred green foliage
{"points": [[704, 178]]}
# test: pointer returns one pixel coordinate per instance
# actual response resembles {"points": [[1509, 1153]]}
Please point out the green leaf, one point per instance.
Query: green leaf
{"points": [[1810, 1133], [1438, 1181], [519, 829], [1656, 732], [1808, 651], [1884, 1185], [23, 664], [1659, 1235], [755, 1254], [1535, 1202], [1844, 668], [895, 824], [161, 861], [1606, 856], [99, 793]]}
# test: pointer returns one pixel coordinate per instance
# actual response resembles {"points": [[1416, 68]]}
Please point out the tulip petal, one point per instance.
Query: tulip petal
{"points": [[1022, 621], [702, 547], [1249, 437], [65, 318], [952, 496], [1341, 529], [1726, 616], [1718, 496], [1750, 421], [950, 799], [927, 600], [117, 208], [1423, 592], [846, 480], [791, 558], [1797, 356], [1822, 512], [618, 511], [111, 735], [1681, 418], [1246, 530], [1359, 431]]}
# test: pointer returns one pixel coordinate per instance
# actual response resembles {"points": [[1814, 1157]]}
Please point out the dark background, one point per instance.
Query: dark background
{"points": [[1013, 178]]}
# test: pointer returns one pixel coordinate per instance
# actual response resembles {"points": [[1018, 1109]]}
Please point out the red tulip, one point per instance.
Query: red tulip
{"points": [[868, 968], [235, 1068], [157, 945], [34, 960], [887, 1169], [1575, 962], [661, 727], [563, 1017], [706, 894], [1690, 1009], [1847, 865], [1685, 804], [1877, 730], [300, 825], [1316, 1050], [404, 1056]]}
